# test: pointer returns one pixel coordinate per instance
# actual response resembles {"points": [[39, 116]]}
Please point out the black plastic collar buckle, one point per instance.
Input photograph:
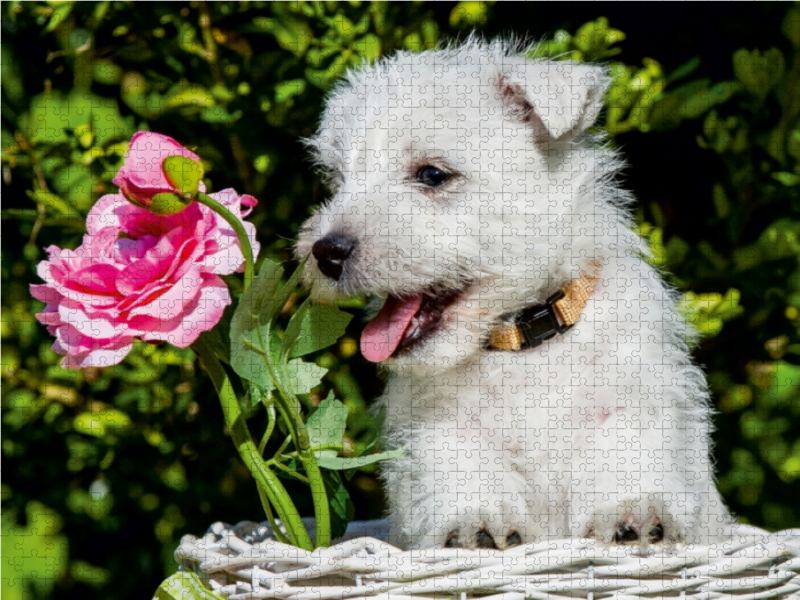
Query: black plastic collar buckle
{"points": [[539, 323]]}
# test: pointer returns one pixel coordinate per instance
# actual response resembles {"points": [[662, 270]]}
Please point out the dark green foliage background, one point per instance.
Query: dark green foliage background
{"points": [[104, 470]]}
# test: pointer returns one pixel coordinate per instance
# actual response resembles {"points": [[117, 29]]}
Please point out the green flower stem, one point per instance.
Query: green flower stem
{"points": [[322, 509], [270, 406], [283, 446], [267, 480], [286, 469], [270, 517], [241, 234], [288, 406]]}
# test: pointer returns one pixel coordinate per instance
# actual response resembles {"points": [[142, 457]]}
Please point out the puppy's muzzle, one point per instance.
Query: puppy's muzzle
{"points": [[331, 253]]}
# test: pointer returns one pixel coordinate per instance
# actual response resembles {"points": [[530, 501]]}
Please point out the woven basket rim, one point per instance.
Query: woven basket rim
{"points": [[241, 562]]}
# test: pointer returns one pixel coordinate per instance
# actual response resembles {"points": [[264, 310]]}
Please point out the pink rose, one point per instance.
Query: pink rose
{"points": [[159, 173], [140, 275]]}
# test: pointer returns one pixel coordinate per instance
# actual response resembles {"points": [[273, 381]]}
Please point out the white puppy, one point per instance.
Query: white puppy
{"points": [[466, 192]]}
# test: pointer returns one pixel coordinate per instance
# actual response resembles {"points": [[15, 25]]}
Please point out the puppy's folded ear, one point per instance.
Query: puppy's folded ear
{"points": [[556, 98]]}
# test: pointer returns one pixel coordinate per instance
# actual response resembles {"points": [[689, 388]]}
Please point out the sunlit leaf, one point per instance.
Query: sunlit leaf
{"points": [[184, 586]]}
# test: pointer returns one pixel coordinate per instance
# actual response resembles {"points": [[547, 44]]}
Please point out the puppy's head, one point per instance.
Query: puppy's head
{"points": [[462, 190]]}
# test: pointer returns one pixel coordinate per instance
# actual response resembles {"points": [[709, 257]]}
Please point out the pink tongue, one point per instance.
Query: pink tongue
{"points": [[383, 334]]}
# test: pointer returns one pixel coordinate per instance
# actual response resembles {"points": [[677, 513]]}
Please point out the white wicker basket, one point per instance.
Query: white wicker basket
{"points": [[243, 562]]}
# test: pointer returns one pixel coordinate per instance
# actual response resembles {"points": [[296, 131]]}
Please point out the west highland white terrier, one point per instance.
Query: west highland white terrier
{"points": [[539, 373]]}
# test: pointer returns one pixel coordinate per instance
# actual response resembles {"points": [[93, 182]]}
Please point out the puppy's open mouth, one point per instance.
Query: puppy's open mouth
{"points": [[403, 323]]}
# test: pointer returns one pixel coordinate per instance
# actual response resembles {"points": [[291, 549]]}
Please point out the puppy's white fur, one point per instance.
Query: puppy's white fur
{"points": [[607, 423]]}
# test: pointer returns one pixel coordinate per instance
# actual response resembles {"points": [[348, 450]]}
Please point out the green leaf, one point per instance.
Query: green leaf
{"points": [[301, 376], [369, 46], [342, 509], [684, 70], [327, 425], [75, 183], [219, 114], [174, 476], [758, 72], [262, 163], [787, 179], [282, 296], [59, 16], [254, 344], [192, 94], [469, 14], [322, 78], [47, 118], [363, 25], [34, 555], [339, 463], [10, 74], [291, 33], [251, 326], [102, 423], [314, 327], [791, 25], [288, 89], [51, 201], [258, 395], [689, 101], [184, 586], [221, 93]]}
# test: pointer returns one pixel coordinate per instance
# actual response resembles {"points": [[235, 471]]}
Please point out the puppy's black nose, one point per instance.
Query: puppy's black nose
{"points": [[331, 252]]}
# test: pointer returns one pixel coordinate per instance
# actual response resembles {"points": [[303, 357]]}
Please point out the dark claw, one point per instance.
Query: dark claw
{"points": [[625, 533], [453, 540], [484, 540], [513, 539], [656, 534]]}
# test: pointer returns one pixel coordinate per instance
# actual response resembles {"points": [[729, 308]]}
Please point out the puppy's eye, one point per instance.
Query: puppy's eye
{"points": [[432, 176]]}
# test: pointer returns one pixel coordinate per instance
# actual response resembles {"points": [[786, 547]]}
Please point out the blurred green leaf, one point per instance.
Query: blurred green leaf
{"points": [[60, 14], [791, 25], [102, 423], [469, 14], [184, 586], [689, 101], [686, 69], [758, 72], [34, 554]]}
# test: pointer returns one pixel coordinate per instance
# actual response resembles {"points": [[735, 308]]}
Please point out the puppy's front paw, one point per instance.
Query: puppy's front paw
{"points": [[632, 530], [482, 539]]}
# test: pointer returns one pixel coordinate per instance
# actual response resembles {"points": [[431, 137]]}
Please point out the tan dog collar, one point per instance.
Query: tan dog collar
{"points": [[534, 325]]}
